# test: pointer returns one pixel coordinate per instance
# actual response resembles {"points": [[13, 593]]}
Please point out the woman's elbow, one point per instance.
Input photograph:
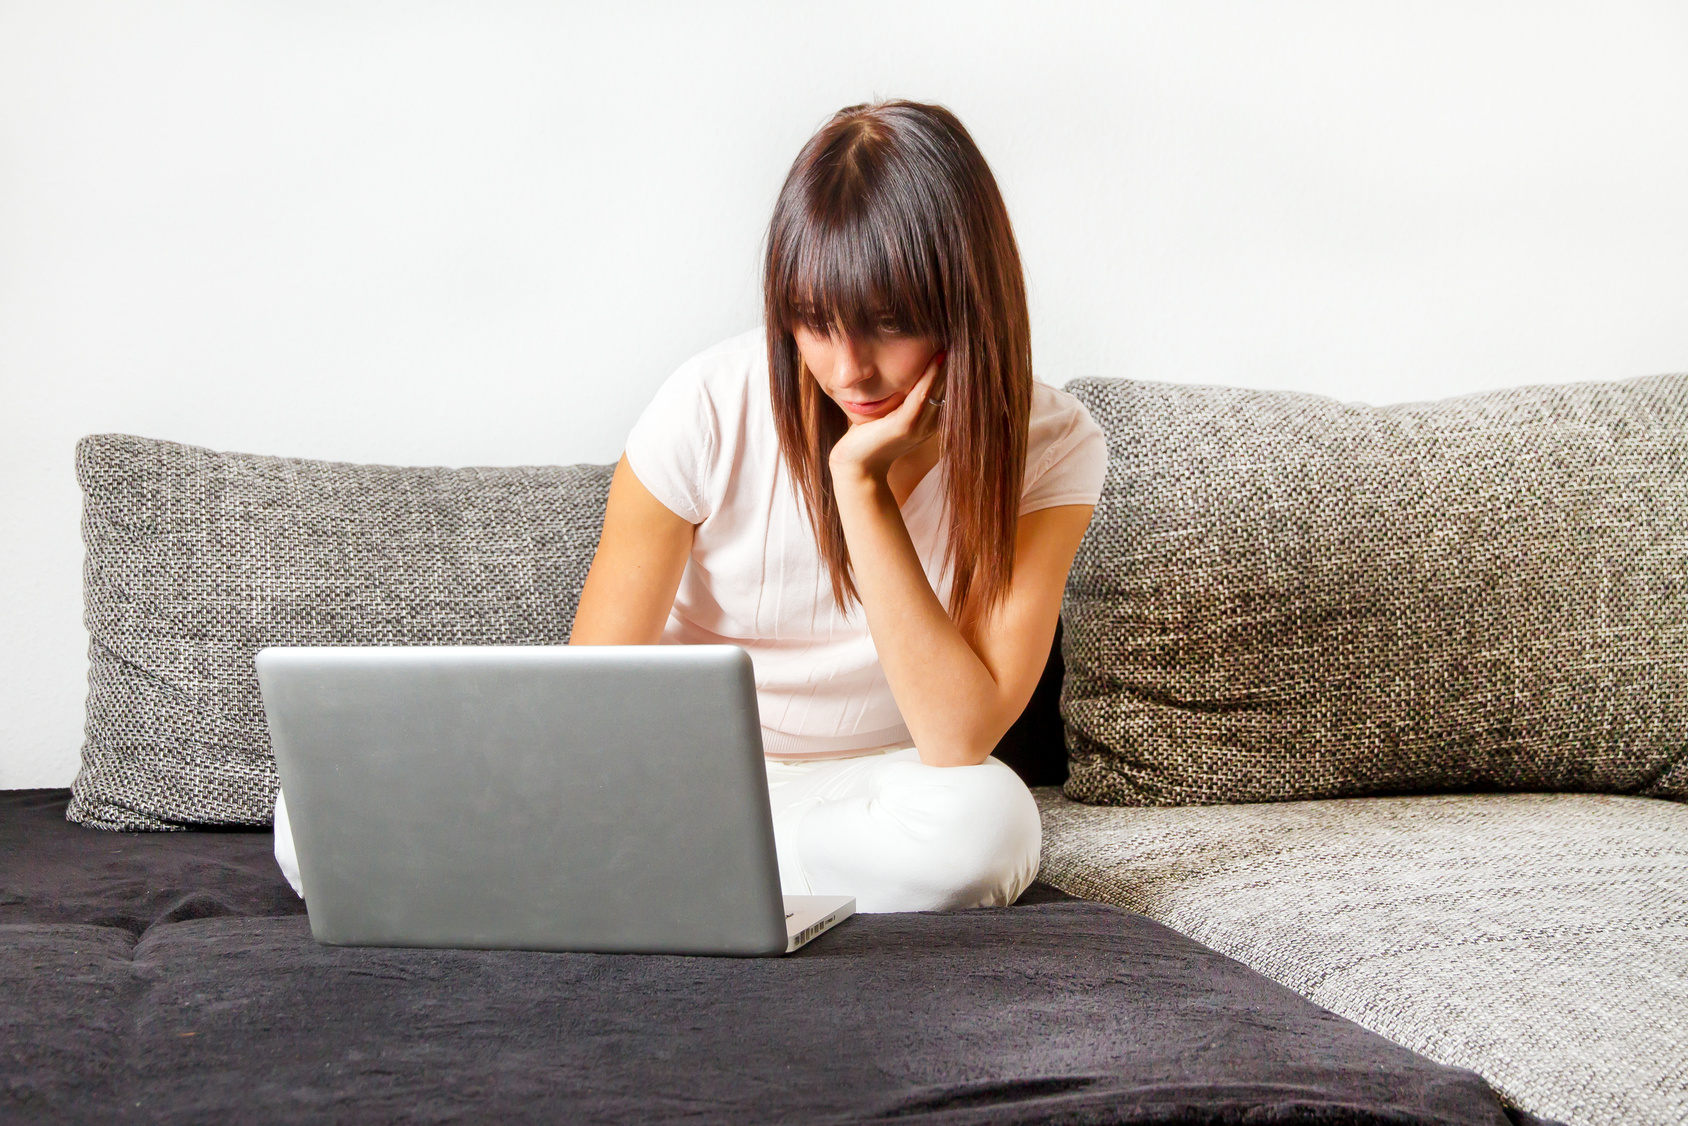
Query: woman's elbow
{"points": [[969, 747]]}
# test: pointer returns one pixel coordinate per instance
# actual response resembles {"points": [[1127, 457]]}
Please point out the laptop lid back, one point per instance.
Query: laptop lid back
{"points": [[607, 798]]}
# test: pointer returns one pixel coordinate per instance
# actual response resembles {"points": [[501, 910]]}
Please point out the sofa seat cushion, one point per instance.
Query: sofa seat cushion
{"points": [[56, 871], [1538, 939]]}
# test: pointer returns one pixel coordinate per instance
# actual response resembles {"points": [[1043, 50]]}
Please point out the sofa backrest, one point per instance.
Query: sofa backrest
{"points": [[1285, 596], [196, 559]]}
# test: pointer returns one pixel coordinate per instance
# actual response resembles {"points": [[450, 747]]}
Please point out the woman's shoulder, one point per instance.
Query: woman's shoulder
{"points": [[1058, 421], [1049, 400], [712, 390], [1066, 451], [747, 346], [728, 368], [695, 423]]}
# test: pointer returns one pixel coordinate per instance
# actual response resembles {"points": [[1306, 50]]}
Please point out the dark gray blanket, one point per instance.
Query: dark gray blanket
{"points": [[172, 978]]}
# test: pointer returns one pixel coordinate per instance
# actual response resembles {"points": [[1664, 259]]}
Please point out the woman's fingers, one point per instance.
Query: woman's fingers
{"points": [[922, 391], [916, 415]]}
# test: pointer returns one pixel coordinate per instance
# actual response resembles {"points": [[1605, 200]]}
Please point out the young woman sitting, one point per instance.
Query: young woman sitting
{"points": [[871, 495]]}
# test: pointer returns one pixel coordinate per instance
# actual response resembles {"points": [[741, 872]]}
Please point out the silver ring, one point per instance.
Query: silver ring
{"points": [[936, 402]]}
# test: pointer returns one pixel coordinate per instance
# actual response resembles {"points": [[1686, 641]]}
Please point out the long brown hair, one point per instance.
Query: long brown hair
{"points": [[890, 215]]}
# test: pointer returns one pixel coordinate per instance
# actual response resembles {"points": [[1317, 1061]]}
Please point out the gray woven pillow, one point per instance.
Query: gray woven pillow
{"points": [[1283, 596], [195, 559]]}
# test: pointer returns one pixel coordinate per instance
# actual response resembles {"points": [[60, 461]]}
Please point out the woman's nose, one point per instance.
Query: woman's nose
{"points": [[853, 364]]}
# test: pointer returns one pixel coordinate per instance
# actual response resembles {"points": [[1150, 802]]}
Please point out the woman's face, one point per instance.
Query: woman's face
{"points": [[865, 377]]}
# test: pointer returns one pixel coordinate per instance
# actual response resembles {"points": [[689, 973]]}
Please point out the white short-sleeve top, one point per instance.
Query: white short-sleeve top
{"points": [[707, 447]]}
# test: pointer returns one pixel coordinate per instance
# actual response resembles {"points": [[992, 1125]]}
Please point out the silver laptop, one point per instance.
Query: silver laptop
{"points": [[602, 798]]}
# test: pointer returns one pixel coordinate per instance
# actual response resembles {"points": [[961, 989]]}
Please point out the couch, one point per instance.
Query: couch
{"points": [[1359, 756]]}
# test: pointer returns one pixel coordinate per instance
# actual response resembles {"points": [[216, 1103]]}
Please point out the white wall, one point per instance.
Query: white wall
{"points": [[483, 232]]}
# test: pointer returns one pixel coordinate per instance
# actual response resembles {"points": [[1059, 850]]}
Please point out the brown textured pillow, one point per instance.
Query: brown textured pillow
{"points": [[1283, 596], [196, 559]]}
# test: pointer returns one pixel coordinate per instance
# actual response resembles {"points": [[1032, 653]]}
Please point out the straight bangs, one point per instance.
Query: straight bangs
{"points": [[858, 267]]}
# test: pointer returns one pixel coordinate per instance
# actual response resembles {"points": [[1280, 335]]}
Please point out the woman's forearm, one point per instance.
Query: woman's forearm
{"points": [[947, 696]]}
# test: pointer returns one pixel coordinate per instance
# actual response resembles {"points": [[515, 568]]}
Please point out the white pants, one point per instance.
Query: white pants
{"points": [[886, 828]]}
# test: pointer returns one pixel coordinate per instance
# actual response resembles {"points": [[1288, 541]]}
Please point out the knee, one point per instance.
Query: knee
{"points": [[979, 824]]}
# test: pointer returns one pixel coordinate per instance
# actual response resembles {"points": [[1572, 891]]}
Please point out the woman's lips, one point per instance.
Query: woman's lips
{"points": [[866, 408]]}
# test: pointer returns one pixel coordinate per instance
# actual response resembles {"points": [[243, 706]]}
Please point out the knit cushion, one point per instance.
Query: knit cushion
{"points": [[1283, 596], [196, 559]]}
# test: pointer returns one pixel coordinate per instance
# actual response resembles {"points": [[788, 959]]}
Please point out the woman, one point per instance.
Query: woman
{"points": [[872, 496]]}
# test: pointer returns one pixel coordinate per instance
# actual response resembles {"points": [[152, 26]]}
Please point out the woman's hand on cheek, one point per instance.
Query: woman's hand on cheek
{"points": [[867, 449]]}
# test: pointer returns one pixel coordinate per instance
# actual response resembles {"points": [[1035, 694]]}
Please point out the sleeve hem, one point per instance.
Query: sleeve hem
{"points": [[676, 505], [1057, 501]]}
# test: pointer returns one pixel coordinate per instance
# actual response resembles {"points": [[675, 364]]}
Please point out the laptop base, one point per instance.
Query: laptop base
{"points": [[807, 916]]}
